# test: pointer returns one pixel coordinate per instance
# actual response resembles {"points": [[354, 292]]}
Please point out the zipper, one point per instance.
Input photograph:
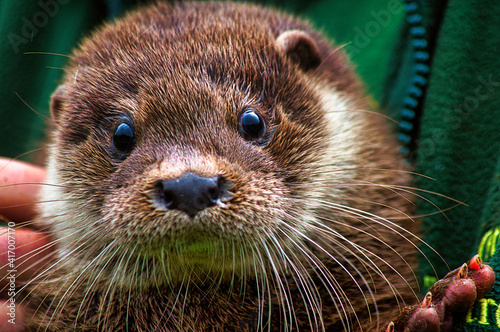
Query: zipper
{"points": [[411, 111], [423, 18]]}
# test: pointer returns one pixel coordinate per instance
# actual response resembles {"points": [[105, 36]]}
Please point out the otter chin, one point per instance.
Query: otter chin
{"points": [[217, 167]]}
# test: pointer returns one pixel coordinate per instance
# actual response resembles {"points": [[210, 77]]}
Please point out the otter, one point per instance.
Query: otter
{"points": [[217, 167]]}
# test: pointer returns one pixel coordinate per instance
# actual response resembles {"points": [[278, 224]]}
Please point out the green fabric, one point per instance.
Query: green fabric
{"points": [[460, 136], [459, 143], [46, 26]]}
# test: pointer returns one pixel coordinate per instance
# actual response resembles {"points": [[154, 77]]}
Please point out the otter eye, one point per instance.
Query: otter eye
{"points": [[252, 124], [123, 138]]}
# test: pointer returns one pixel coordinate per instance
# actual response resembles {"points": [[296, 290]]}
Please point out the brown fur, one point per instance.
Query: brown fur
{"points": [[184, 74]]}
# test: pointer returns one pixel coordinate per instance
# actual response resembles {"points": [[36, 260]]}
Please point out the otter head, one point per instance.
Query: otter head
{"points": [[185, 146]]}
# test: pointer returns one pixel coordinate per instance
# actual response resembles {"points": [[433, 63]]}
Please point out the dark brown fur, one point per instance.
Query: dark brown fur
{"points": [[184, 74]]}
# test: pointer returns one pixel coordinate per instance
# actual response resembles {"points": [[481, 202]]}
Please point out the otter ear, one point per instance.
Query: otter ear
{"points": [[300, 47], [56, 102]]}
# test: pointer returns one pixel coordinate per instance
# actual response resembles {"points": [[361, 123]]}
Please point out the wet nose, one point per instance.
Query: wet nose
{"points": [[190, 193]]}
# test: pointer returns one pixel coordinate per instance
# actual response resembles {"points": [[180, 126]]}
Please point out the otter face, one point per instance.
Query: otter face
{"points": [[192, 150], [189, 146]]}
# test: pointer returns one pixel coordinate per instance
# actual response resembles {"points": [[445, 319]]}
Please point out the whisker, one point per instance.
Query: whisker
{"points": [[393, 227], [418, 216], [42, 277], [30, 184], [57, 68], [360, 110], [20, 156], [29, 204], [259, 263], [111, 283], [288, 298], [311, 258], [45, 247], [328, 169], [280, 286], [305, 286], [40, 115], [49, 53], [130, 288]]}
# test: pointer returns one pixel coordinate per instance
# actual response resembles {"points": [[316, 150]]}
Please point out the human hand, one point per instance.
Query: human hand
{"points": [[23, 251]]}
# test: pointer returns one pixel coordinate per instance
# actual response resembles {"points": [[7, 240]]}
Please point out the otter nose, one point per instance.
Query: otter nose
{"points": [[190, 193]]}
